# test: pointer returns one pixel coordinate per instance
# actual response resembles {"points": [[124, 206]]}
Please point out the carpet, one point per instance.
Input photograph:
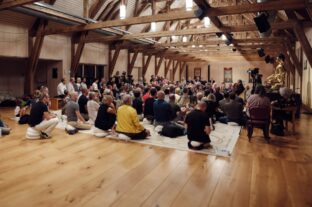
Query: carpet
{"points": [[223, 138]]}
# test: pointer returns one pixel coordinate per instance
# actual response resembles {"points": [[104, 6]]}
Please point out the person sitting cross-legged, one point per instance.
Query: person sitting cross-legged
{"points": [[72, 112], [162, 110], [5, 130], [198, 127], [40, 119], [128, 122], [106, 116]]}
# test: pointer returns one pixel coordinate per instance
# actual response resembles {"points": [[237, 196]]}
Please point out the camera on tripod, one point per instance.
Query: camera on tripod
{"points": [[256, 77]]}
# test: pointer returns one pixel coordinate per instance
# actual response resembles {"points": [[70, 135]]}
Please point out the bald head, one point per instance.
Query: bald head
{"points": [[161, 95]]}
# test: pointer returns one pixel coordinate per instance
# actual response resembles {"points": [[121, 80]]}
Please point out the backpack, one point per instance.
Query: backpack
{"points": [[172, 131]]}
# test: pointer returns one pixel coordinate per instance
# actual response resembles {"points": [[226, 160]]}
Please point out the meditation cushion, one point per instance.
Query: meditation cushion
{"points": [[99, 132], [158, 128], [233, 124], [123, 137], [32, 133]]}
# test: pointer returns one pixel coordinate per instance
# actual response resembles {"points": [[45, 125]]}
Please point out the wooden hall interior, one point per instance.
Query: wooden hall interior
{"points": [[42, 42]]}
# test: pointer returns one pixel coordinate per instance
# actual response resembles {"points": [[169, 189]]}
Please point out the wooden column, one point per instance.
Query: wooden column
{"points": [[146, 63], [34, 54], [158, 64], [167, 66], [131, 60], [112, 59]]}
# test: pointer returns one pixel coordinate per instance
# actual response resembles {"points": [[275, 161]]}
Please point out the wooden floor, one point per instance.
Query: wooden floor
{"points": [[81, 170]]}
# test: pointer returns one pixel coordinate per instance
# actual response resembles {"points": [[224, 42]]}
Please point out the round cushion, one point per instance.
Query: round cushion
{"points": [[233, 124], [123, 137], [99, 132], [32, 133]]}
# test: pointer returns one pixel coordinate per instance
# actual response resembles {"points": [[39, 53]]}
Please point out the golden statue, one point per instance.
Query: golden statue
{"points": [[277, 79]]}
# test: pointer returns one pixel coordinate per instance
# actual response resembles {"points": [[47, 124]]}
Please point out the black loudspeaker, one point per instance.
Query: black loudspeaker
{"points": [[262, 23], [261, 52], [267, 59], [54, 73]]}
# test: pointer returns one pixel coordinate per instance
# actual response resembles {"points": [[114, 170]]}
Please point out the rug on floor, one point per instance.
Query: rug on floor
{"points": [[223, 139]]}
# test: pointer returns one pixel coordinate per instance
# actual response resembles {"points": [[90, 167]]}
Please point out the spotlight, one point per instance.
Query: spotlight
{"points": [[282, 57], [267, 59]]}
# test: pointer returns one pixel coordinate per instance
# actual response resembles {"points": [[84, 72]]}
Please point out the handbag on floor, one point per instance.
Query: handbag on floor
{"points": [[172, 131], [277, 129]]}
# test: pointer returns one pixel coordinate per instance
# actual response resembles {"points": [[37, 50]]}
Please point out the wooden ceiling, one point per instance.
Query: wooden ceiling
{"points": [[191, 41]]}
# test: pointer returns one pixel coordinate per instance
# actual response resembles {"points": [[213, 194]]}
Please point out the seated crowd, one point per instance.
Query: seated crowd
{"points": [[118, 105]]}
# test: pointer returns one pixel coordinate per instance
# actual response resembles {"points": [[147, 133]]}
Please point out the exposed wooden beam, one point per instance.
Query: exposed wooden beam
{"points": [[112, 59], [294, 58], [158, 64], [131, 60], [34, 57], [304, 42], [179, 15], [212, 30], [77, 54], [167, 66], [11, 4], [146, 63], [175, 67]]}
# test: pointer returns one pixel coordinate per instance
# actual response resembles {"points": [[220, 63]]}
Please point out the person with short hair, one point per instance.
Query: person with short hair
{"points": [[128, 122], [198, 127], [71, 85], [137, 102], [93, 107], [233, 111], [162, 110], [149, 104], [175, 108], [61, 88], [72, 112], [40, 118], [106, 116], [82, 102]]}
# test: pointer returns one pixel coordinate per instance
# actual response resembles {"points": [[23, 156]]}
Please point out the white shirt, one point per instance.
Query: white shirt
{"points": [[61, 87], [93, 108], [70, 88], [95, 86]]}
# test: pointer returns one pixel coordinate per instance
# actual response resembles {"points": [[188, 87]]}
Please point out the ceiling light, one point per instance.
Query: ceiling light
{"points": [[193, 46], [188, 5], [153, 26], [207, 22], [122, 11], [184, 39], [200, 45]]}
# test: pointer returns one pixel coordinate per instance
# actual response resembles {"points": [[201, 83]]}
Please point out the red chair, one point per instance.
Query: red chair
{"points": [[259, 118]]}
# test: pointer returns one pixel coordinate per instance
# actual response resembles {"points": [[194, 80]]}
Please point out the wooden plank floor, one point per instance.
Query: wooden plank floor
{"points": [[82, 170]]}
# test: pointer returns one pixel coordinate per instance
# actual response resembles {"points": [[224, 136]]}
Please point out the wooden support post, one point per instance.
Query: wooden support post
{"points": [[146, 64], [77, 54], [294, 58], [175, 67], [182, 69], [112, 59], [304, 42], [131, 61], [158, 64], [167, 65], [34, 54]]}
